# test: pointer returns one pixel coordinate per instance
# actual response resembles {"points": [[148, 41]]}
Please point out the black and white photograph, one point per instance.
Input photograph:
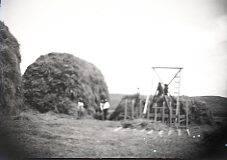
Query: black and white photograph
{"points": [[96, 79]]}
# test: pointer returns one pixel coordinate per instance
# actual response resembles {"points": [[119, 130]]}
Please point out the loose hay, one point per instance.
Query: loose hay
{"points": [[144, 124], [118, 113], [55, 81], [10, 74], [199, 112]]}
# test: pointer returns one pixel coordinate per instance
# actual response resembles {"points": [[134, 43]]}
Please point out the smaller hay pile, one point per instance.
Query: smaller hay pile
{"points": [[56, 81], [144, 124], [198, 112], [118, 113], [10, 75]]}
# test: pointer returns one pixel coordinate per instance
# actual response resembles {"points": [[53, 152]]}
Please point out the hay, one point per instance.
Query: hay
{"points": [[55, 81], [118, 113], [144, 124], [199, 113], [10, 74]]}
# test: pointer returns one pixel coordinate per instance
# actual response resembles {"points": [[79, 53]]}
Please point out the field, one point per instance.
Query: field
{"points": [[58, 135], [52, 135]]}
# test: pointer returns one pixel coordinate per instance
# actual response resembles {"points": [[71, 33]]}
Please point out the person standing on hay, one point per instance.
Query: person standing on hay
{"points": [[159, 89], [159, 97], [166, 89]]}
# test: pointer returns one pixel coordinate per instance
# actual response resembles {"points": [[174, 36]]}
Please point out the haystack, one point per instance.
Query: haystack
{"points": [[119, 111], [55, 82], [198, 111], [10, 74]]}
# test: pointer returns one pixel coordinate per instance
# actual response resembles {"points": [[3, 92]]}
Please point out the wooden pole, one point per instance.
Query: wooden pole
{"points": [[126, 103], [178, 112], [148, 110], [146, 104], [187, 106], [140, 108], [163, 111], [155, 112], [135, 110], [132, 107], [168, 67], [170, 113]]}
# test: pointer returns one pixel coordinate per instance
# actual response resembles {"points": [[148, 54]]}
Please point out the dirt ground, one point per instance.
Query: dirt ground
{"points": [[51, 135]]}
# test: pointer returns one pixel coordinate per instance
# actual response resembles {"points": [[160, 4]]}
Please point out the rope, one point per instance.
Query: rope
{"points": [[174, 77]]}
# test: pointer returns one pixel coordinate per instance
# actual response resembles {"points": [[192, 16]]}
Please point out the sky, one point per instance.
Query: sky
{"points": [[126, 38]]}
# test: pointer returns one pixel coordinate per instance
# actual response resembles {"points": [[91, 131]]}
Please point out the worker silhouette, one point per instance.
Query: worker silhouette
{"points": [[159, 89], [166, 89]]}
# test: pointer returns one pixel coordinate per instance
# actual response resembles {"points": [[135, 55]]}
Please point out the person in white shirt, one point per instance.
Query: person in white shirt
{"points": [[105, 107], [101, 105], [80, 107]]}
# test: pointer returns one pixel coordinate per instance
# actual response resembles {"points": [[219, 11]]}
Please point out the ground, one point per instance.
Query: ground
{"points": [[52, 135]]}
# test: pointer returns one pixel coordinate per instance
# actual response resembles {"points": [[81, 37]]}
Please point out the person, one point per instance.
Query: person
{"points": [[72, 95], [101, 105], [160, 89], [101, 108], [80, 106], [166, 89], [106, 106]]}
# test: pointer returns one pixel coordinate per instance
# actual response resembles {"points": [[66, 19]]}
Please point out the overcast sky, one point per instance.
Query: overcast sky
{"points": [[125, 38]]}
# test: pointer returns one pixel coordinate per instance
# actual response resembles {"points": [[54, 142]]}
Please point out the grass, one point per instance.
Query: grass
{"points": [[58, 135], [52, 135]]}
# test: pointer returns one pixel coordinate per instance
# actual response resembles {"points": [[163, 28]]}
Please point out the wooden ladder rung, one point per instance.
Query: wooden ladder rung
{"points": [[158, 107], [181, 126]]}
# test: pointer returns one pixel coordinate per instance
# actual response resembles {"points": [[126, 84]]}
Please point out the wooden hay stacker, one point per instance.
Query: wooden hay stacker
{"points": [[168, 112]]}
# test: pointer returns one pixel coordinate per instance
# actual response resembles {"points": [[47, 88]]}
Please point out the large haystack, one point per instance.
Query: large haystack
{"points": [[55, 81], [10, 74]]}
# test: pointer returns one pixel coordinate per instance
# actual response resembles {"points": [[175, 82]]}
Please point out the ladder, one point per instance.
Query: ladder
{"points": [[181, 120], [175, 117]]}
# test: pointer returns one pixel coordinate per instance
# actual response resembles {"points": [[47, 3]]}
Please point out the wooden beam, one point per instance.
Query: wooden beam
{"points": [[167, 67], [170, 114], [146, 104], [132, 107], [155, 112], [148, 110], [187, 109], [178, 117], [136, 114], [126, 103], [158, 107], [140, 108], [159, 115], [163, 111]]}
